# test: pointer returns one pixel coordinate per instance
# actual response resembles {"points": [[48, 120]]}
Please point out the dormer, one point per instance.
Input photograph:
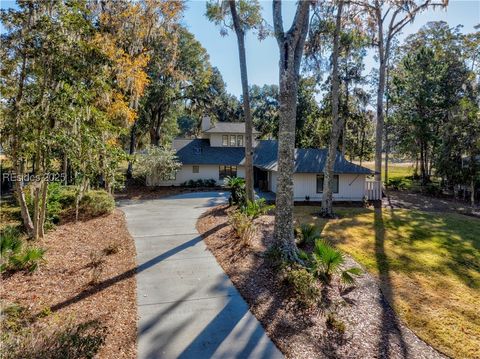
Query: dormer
{"points": [[226, 134]]}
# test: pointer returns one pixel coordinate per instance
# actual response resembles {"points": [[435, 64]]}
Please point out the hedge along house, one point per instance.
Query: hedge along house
{"points": [[221, 153]]}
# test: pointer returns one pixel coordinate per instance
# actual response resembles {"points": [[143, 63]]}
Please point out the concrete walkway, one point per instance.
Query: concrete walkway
{"points": [[187, 306]]}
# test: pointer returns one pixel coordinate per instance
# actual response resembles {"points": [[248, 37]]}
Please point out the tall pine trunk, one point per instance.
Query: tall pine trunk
{"points": [[290, 45], [246, 103], [337, 122], [131, 152], [16, 156]]}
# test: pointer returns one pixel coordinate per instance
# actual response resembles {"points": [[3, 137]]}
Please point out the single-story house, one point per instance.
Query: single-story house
{"points": [[220, 152]]}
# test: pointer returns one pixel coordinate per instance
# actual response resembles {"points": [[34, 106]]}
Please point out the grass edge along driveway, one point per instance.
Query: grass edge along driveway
{"points": [[428, 265]]}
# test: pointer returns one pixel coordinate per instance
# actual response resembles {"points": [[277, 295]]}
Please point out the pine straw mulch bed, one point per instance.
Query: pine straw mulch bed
{"points": [[66, 289], [371, 328]]}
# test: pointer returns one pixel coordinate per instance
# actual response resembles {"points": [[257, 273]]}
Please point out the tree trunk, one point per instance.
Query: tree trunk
{"points": [[246, 103], [27, 220], [387, 150], [19, 170], [344, 131], [131, 151], [337, 122], [422, 164], [382, 56], [472, 192], [43, 208], [291, 49], [65, 169]]}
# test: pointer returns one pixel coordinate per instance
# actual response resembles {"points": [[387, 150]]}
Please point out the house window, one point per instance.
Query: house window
{"points": [[196, 169], [233, 140], [320, 183], [225, 140], [225, 171], [239, 141]]}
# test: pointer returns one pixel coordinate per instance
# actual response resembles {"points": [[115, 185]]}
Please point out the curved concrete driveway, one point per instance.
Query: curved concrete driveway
{"points": [[187, 306]]}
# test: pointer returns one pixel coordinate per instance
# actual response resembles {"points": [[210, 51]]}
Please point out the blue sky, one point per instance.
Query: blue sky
{"points": [[262, 57]]}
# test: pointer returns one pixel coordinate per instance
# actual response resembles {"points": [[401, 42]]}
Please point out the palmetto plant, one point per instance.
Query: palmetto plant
{"points": [[307, 233], [257, 208], [236, 185], [13, 256], [326, 261]]}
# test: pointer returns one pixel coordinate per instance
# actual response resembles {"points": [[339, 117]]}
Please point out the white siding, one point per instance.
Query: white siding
{"points": [[186, 173], [351, 187]]}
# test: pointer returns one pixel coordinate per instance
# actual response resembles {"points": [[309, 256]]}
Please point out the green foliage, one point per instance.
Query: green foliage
{"points": [[256, 208], [434, 103], [348, 275], [432, 189], [304, 286], [265, 109], [249, 13], [14, 257], [326, 261], [306, 233], [59, 199], [238, 195], [96, 203], [243, 226], [28, 260], [335, 324], [158, 162], [10, 241], [397, 183], [200, 183]]}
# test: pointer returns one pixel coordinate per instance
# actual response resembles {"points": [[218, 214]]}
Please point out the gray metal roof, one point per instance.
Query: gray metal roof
{"points": [[309, 160], [228, 127], [199, 152]]}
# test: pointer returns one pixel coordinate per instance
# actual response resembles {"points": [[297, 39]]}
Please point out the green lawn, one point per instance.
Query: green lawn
{"points": [[395, 170], [428, 265]]}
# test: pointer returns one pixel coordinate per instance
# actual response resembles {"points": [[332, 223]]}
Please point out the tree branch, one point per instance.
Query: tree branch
{"points": [[278, 21]]}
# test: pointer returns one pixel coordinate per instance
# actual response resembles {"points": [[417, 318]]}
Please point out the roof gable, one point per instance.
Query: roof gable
{"points": [[228, 127]]}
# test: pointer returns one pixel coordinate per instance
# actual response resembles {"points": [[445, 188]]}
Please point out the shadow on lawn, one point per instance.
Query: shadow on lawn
{"points": [[390, 327]]}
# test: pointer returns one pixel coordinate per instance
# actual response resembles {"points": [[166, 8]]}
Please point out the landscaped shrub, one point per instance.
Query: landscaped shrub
{"points": [[433, 189], [325, 261], [243, 226], [397, 183], [306, 233], [238, 195], [96, 203], [59, 199], [200, 183], [304, 286], [257, 208], [14, 257]]}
